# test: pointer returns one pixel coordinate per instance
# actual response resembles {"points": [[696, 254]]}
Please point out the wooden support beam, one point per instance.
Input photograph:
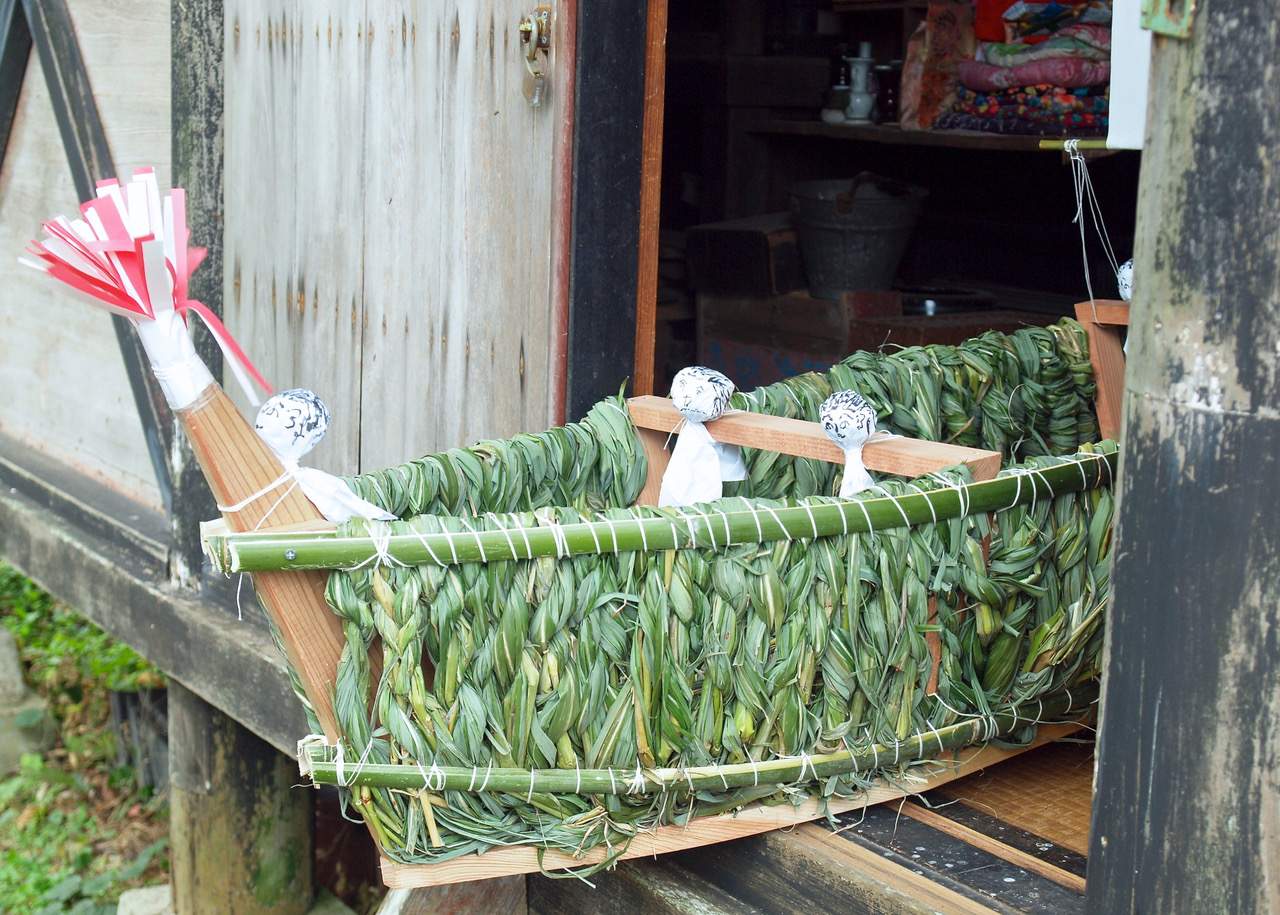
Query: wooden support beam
{"points": [[1102, 320], [15, 51], [196, 96], [655, 81], [906, 456], [1185, 815], [242, 838]]}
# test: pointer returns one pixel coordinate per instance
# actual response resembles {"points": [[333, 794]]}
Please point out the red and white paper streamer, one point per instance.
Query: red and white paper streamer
{"points": [[128, 254]]}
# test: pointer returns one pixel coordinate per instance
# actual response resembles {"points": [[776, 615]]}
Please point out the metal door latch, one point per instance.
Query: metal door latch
{"points": [[535, 32]]}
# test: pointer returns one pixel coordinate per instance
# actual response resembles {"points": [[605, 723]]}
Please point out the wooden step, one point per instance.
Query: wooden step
{"points": [[636, 887]]}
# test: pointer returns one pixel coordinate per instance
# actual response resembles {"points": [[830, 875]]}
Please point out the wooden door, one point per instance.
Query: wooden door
{"points": [[396, 216]]}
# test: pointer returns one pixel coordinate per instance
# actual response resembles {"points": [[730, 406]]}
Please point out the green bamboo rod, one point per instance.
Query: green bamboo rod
{"points": [[320, 762], [1081, 144], [401, 542]]}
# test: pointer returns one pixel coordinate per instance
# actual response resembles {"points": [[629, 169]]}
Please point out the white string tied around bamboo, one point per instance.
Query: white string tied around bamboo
{"points": [[700, 465]]}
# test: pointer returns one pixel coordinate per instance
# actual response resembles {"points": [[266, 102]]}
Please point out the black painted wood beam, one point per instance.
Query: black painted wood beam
{"points": [[15, 50], [605, 232], [85, 142]]}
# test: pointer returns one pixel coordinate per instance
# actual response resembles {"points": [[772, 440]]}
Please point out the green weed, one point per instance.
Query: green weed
{"points": [[75, 830]]}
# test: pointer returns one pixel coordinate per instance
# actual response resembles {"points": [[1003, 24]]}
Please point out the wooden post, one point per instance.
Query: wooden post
{"points": [[1187, 804], [241, 836], [197, 87], [655, 82]]}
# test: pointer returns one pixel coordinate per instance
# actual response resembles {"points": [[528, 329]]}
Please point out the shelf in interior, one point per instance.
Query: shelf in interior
{"points": [[891, 133]]}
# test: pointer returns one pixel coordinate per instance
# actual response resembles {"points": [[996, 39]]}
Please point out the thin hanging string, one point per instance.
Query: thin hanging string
{"points": [[1084, 192]]}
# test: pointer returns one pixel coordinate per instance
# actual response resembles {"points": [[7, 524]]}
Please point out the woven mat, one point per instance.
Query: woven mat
{"points": [[1046, 791]]}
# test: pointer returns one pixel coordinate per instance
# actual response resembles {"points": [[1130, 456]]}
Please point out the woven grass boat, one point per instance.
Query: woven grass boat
{"points": [[535, 658]]}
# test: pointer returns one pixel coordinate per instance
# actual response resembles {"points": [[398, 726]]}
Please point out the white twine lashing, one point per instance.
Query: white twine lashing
{"points": [[486, 776], [426, 545], [896, 504], [770, 510], [249, 500], [720, 772], [813, 522], [476, 535]]}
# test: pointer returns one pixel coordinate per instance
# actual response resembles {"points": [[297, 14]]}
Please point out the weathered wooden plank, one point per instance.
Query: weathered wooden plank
{"points": [[981, 840], [458, 228], [499, 896], [1188, 789]]}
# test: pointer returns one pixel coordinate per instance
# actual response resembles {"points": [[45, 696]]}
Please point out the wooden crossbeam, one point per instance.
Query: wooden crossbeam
{"points": [[657, 418]]}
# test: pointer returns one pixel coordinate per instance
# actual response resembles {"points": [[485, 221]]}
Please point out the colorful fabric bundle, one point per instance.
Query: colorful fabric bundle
{"points": [[1068, 72], [1022, 127], [1071, 108], [1086, 42]]}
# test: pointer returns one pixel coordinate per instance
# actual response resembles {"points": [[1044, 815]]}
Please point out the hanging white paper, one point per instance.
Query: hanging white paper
{"points": [[849, 421], [1130, 71], [700, 465], [292, 423]]}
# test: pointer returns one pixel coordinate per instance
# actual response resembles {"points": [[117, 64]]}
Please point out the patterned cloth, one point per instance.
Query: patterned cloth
{"points": [[955, 120], [1087, 42], [1071, 108]]}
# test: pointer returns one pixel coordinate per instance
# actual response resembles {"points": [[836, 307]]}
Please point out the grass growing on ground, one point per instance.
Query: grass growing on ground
{"points": [[75, 828]]}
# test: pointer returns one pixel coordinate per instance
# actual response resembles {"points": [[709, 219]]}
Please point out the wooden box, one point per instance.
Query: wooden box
{"points": [[753, 256]]}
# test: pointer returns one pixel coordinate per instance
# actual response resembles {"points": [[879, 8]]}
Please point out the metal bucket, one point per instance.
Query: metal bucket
{"points": [[852, 233]]}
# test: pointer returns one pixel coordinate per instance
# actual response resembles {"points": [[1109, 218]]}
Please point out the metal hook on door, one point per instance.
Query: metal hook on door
{"points": [[535, 31]]}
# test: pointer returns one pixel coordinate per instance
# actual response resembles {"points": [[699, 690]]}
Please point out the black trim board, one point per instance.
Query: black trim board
{"points": [[605, 233], [15, 51]]}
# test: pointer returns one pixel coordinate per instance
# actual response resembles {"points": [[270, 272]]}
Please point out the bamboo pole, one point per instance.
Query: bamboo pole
{"points": [[326, 770], [408, 544]]}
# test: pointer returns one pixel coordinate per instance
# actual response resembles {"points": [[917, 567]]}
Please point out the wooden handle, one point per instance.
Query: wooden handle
{"points": [[239, 465]]}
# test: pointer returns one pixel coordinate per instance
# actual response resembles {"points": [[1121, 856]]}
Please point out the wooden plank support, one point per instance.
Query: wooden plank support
{"points": [[906, 456], [241, 837], [1102, 320], [748, 821], [655, 81]]}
